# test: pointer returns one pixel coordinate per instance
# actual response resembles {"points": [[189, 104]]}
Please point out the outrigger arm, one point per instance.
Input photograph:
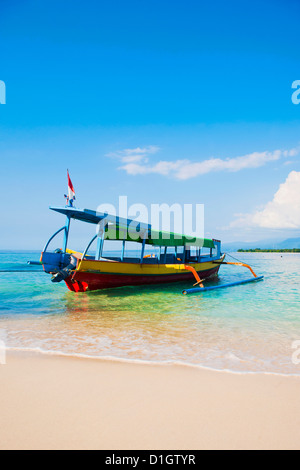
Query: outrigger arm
{"points": [[193, 270], [237, 264], [204, 289]]}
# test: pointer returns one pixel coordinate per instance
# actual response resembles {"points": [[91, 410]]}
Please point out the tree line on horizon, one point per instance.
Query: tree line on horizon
{"points": [[259, 250]]}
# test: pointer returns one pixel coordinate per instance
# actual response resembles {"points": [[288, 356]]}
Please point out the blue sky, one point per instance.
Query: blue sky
{"points": [[196, 94]]}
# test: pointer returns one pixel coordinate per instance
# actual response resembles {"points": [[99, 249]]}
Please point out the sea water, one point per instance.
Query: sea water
{"points": [[248, 328]]}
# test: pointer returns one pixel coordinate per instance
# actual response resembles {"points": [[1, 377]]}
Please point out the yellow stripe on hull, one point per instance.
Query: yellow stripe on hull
{"points": [[116, 267]]}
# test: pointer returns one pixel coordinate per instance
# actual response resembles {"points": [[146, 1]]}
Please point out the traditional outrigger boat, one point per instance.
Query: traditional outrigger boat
{"points": [[177, 258], [173, 261]]}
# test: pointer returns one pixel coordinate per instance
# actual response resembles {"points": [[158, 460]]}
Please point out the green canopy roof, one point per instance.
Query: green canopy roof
{"points": [[118, 228], [154, 237]]}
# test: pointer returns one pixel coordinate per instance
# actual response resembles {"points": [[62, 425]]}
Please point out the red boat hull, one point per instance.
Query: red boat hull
{"points": [[83, 281]]}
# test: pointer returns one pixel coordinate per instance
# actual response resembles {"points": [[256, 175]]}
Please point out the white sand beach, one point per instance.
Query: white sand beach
{"points": [[50, 402]]}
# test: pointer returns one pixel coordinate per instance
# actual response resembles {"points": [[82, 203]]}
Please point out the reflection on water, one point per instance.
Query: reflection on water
{"points": [[247, 328]]}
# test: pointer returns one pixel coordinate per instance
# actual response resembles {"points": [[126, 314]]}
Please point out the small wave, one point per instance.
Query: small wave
{"points": [[143, 362], [233, 357]]}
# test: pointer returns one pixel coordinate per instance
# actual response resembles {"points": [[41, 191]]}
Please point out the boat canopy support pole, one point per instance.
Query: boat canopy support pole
{"points": [[51, 238], [66, 237], [99, 250], [143, 250], [89, 245], [184, 254], [123, 250], [165, 255]]}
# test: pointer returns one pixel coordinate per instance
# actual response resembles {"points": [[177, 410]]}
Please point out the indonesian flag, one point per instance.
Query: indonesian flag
{"points": [[71, 191]]}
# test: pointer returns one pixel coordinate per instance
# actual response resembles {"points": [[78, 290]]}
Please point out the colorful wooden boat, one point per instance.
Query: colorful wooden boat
{"points": [[175, 258], [178, 258]]}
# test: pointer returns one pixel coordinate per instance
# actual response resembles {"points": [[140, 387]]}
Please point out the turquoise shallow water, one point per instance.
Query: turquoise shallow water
{"points": [[250, 328]]}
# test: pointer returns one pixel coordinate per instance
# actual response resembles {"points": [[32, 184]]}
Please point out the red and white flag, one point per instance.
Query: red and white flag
{"points": [[71, 190]]}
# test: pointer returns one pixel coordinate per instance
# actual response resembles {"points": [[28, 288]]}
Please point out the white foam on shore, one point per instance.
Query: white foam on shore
{"points": [[39, 351]]}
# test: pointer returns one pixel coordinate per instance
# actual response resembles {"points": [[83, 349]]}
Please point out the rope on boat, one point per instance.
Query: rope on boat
{"points": [[238, 260]]}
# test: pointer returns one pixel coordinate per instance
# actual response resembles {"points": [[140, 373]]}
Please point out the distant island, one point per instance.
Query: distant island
{"points": [[267, 244], [259, 250]]}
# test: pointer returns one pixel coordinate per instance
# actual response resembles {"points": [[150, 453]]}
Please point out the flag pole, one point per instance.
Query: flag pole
{"points": [[70, 199]]}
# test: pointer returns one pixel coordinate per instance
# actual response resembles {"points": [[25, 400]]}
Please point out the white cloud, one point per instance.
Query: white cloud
{"points": [[136, 163], [281, 213], [253, 160], [161, 168], [291, 153], [135, 158], [134, 155]]}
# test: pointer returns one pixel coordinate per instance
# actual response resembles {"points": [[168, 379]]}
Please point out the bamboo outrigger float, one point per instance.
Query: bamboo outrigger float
{"points": [[178, 258]]}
